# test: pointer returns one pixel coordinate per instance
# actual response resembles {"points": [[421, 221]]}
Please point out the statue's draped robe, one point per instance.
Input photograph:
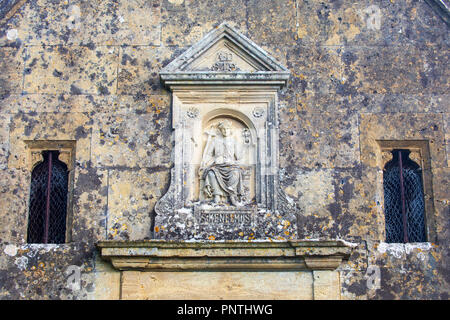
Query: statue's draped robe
{"points": [[223, 175]]}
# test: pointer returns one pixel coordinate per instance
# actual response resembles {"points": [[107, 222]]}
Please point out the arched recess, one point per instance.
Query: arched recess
{"points": [[47, 217], [403, 199], [245, 135]]}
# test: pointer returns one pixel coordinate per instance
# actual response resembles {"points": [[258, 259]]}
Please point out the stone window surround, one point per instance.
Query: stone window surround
{"points": [[66, 150], [420, 154]]}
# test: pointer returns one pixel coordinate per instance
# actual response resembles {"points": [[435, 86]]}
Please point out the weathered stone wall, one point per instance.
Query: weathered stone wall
{"points": [[88, 71]]}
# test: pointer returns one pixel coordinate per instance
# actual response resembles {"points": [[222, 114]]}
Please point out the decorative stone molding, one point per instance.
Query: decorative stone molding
{"points": [[386, 156], [420, 154], [221, 256], [225, 123], [66, 150], [235, 60]]}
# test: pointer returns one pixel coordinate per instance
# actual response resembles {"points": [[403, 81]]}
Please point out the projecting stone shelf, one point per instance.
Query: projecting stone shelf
{"points": [[161, 255]]}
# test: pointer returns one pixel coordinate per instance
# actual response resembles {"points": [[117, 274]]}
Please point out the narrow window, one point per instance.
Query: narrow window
{"points": [[403, 199], [48, 200]]}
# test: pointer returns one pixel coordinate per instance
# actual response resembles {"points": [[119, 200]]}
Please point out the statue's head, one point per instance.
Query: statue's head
{"points": [[225, 127]]}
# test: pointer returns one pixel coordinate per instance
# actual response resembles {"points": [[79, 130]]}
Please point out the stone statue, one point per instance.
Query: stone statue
{"points": [[220, 168]]}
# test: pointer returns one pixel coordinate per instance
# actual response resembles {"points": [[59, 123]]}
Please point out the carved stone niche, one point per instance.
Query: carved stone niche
{"points": [[224, 183]]}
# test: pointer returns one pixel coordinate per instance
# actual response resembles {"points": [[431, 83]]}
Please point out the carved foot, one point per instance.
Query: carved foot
{"points": [[234, 201]]}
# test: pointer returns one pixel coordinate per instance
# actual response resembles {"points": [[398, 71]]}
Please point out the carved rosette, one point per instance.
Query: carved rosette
{"points": [[258, 112], [192, 112]]}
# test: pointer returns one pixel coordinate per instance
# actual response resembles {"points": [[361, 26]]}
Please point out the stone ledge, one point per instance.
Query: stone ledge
{"points": [[274, 78], [225, 255]]}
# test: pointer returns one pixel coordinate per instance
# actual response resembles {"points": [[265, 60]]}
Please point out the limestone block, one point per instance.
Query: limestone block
{"points": [[399, 70], [395, 103], [334, 24], [41, 22], [107, 286], [433, 77], [441, 183], [420, 20], [48, 126], [334, 203], [74, 70], [139, 69], [132, 196], [216, 285], [415, 278], [314, 191], [14, 195], [326, 285], [90, 194], [264, 25], [447, 135], [11, 64], [4, 140], [402, 126], [186, 23], [125, 22], [316, 78], [32, 103], [365, 206], [328, 23], [329, 140], [100, 22], [354, 285], [442, 222], [132, 140], [366, 22], [47, 271]]}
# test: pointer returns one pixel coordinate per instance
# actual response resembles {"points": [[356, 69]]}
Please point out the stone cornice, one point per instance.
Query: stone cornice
{"points": [[278, 78], [225, 255]]}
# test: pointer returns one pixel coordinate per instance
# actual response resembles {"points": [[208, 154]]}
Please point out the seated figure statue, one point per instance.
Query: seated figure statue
{"points": [[220, 169]]}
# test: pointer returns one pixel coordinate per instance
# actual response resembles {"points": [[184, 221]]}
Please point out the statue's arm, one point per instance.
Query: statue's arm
{"points": [[208, 154]]}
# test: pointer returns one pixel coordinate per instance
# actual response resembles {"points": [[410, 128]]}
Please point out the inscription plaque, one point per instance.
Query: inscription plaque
{"points": [[217, 220]]}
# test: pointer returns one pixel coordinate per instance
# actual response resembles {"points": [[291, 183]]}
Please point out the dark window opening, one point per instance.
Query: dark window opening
{"points": [[48, 200], [403, 199]]}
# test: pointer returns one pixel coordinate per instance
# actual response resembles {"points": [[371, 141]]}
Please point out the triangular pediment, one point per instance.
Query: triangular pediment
{"points": [[225, 56]]}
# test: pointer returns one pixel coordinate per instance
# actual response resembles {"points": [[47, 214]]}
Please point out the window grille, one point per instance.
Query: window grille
{"points": [[48, 200], [403, 199]]}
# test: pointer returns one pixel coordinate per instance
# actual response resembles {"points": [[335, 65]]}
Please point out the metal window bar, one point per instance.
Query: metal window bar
{"points": [[403, 199], [48, 201]]}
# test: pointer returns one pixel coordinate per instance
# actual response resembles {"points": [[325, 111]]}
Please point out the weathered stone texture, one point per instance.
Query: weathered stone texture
{"points": [[89, 71], [132, 140], [11, 64], [74, 70], [131, 198], [36, 271]]}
